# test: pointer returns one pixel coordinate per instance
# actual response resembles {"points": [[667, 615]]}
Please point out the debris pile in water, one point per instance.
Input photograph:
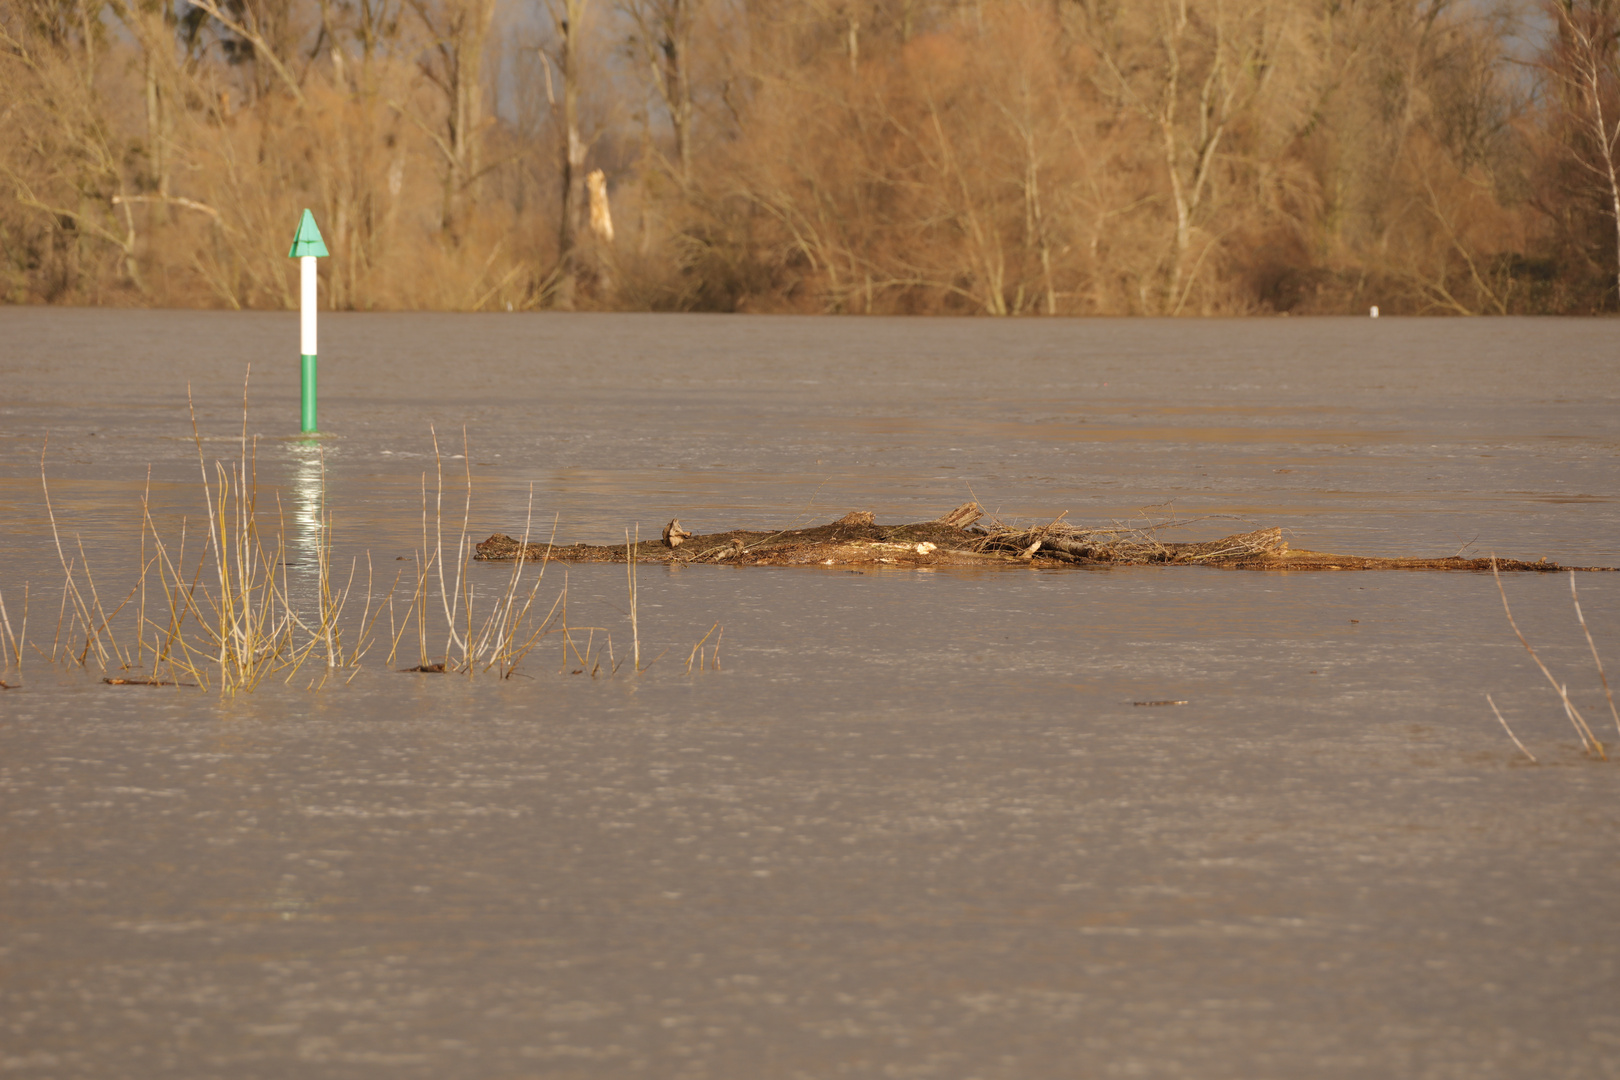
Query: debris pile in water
{"points": [[957, 539]]}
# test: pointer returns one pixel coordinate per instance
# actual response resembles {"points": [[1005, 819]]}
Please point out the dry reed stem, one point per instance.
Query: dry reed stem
{"points": [[1509, 731], [253, 625], [465, 596], [5, 623], [508, 654], [515, 656], [563, 600], [104, 621], [160, 645], [208, 497], [368, 628], [463, 547], [391, 636], [542, 631], [70, 588], [698, 648], [233, 614], [1607, 693], [1589, 742], [452, 638], [170, 574], [635, 631], [500, 629], [61, 614], [331, 609], [424, 567], [140, 615]]}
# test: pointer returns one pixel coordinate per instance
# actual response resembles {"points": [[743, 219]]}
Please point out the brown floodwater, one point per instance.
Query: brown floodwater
{"points": [[915, 826]]}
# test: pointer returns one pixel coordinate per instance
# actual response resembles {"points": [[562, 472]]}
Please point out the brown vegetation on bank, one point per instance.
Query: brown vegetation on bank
{"points": [[983, 156]]}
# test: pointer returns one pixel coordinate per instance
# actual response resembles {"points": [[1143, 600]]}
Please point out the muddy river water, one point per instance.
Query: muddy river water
{"points": [[915, 826]]}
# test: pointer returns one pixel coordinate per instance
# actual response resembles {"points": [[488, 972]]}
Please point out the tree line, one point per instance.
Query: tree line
{"points": [[1002, 157]]}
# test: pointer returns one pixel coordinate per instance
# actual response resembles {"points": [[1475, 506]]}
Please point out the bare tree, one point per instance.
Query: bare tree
{"points": [[568, 24], [1192, 70], [63, 157], [460, 32], [153, 26], [1583, 64], [661, 36], [255, 31]]}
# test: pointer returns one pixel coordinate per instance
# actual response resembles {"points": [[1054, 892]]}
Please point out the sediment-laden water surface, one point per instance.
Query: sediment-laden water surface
{"points": [[916, 825]]}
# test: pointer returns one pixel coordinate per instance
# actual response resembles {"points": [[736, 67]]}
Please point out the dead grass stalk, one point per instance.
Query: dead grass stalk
{"points": [[1589, 741]]}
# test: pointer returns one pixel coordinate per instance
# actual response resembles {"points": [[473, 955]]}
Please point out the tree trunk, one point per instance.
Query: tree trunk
{"points": [[678, 75], [467, 107], [461, 28], [1605, 137], [570, 220], [1168, 101], [156, 138], [663, 32], [1586, 65]]}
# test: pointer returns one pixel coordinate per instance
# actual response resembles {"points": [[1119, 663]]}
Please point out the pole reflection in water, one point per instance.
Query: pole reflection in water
{"points": [[309, 508]]}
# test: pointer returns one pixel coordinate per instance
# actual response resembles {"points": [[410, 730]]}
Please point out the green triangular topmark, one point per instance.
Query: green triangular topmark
{"points": [[307, 241]]}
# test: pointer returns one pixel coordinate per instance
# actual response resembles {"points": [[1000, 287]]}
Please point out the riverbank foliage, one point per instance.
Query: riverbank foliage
{"points": [[890, 156]]}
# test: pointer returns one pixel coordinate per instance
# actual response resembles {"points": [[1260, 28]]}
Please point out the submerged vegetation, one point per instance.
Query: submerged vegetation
{"points": [[993, 156], [225, 614]]}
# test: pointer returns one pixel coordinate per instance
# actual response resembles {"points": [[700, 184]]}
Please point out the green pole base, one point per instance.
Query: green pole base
{"points": [[309, 393]]}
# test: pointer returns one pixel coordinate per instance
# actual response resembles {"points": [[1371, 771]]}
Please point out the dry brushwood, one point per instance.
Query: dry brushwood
{"points": [[956, 540], [674, 535], [963, 516]]}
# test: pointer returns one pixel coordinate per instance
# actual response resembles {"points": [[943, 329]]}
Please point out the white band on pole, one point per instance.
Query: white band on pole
{"points": [[306, 305]]}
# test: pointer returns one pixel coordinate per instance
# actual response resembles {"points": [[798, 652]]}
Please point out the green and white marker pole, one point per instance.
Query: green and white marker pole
{"points": [[307, 246]]}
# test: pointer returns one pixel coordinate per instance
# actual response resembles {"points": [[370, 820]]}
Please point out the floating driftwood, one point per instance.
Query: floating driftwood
{"points": [[957, 539], [139, 681]]}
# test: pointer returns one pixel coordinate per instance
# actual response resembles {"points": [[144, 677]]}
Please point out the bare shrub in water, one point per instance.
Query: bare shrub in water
{"points": [[1590, 743]]}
